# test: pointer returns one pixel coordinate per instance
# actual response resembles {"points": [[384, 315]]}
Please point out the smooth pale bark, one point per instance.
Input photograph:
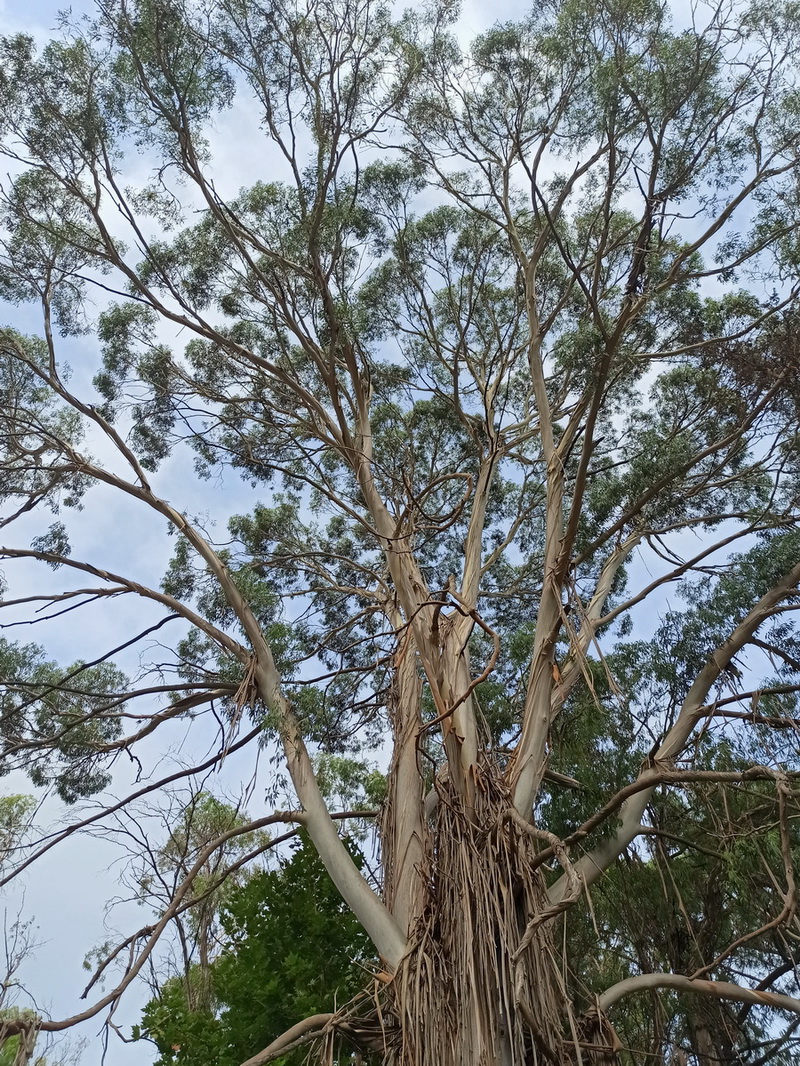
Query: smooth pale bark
{"points": [[530, 758], [645, 982], [308, 1027], [473, 542], [591, 619], [381, 927], [458, 724], [403, 836], [365, 904], [422, 613], [528, 766]]}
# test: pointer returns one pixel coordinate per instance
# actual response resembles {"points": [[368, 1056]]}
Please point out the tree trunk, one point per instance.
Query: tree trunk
{"points": [[713, 1033], [402, 828], [467, 993]]}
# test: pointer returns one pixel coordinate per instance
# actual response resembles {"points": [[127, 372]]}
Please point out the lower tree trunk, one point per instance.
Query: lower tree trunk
{"points": [[470, 992]]}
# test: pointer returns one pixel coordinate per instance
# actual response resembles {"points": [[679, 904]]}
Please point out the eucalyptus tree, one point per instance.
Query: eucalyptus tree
{"points": [[500, 344]]}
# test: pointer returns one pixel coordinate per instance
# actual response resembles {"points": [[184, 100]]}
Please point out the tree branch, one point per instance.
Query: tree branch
{"points": [[592, 865], [644, 982], [306, 1030]]}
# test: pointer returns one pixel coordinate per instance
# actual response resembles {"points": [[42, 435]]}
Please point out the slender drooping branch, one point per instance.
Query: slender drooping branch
{"points": [[154, 933]]}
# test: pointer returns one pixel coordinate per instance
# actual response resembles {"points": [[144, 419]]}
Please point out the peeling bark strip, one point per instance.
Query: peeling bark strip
{"points": [[480, 981], [465, 991]]}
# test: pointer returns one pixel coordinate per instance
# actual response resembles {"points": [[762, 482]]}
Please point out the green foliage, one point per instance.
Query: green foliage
{"points": [[349, 783], [37, 431], [291, 948], [15, 812], [55, 723]]}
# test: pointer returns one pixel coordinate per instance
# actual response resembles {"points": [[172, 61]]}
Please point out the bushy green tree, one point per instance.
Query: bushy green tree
{"points": [[291, 948]]}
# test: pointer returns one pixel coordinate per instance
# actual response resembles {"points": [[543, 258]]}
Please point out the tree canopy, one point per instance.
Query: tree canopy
{"points": [[494, 343]]}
